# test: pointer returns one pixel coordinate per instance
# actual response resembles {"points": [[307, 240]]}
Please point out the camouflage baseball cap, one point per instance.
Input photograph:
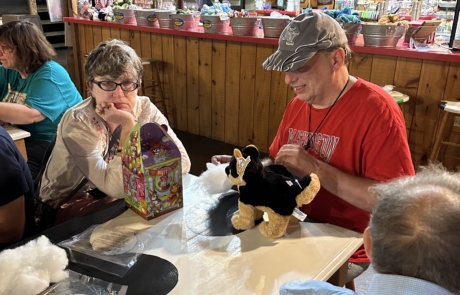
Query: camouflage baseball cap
{"points": [[305, 35]]}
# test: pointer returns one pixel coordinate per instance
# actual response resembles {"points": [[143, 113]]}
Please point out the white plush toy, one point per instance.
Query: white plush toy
{"points": [[29, 269], [215, 180]]}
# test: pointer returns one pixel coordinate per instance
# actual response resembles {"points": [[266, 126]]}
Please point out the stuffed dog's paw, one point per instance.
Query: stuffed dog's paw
{"points": [[271, 230], [242, 223]]}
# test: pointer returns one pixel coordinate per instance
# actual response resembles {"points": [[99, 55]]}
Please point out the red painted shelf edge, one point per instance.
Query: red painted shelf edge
{"points": [[268, 11], [245, 39], [398, 51]]}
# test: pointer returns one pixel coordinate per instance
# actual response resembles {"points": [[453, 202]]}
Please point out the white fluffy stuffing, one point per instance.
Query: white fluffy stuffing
{"points": [[215, 180], [29, 269]]}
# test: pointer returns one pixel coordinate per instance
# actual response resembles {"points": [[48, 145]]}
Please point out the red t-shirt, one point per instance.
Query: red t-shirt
{"points": [[364, 134]]}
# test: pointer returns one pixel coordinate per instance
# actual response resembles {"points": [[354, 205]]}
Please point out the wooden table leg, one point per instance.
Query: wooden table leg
{"points": [[21, 144], [340, 276]]}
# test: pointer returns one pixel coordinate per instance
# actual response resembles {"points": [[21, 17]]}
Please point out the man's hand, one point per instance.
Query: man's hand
{"points": [[220, 159], [109, 113], [297, 160], [351, 188]]}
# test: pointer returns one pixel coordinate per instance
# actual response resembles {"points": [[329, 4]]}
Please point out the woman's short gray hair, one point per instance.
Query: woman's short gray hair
{"points": [[113, 58], [415, 227]]}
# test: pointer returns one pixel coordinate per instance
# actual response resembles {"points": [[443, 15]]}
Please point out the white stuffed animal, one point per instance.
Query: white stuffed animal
{"points": [[29, 269], [215, 180]]}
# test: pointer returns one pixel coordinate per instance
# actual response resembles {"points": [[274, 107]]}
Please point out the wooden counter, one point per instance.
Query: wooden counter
{"points": [[18, 136], [216, 86]]}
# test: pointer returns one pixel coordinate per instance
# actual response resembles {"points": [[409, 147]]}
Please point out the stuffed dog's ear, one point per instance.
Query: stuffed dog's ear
{"points": [[237, 153], [251, 151]]}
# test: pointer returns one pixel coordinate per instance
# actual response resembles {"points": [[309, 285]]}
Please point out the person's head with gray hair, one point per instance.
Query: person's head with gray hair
{"points": [[113, 76], [113, 58], [414, 228]]}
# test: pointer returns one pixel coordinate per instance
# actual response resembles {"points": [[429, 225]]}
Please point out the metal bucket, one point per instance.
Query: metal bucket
{"points": [[185, 22], [244, 26], [273, 26], [352, 31], [164, 18], [124, 16], [382, 35], [146, 17], [213, 24]]}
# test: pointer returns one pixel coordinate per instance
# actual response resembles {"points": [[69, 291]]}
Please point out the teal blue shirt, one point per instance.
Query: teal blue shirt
{"points": [[49, 90]]}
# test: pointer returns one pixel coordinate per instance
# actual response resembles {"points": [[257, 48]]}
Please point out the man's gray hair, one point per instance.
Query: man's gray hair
{"points": [[415, 227], [113, 58], [347, 50]]}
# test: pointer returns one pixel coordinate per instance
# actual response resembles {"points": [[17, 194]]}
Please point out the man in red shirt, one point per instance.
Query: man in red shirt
{"points": [[349, 132]]}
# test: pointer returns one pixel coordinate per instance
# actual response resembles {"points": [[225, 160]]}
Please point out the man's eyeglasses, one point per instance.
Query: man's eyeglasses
{"points": [[5, 49], [111, 86]]}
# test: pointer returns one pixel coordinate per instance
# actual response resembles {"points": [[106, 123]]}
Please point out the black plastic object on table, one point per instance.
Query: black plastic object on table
{"points": [[150, 275]]}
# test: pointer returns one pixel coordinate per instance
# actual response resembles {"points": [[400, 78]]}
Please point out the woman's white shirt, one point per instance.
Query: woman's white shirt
{"points": [[81, 143]]}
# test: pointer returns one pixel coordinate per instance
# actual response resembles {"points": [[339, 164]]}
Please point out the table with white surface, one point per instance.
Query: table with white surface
{"points": [[244, 263], [18, 136]]}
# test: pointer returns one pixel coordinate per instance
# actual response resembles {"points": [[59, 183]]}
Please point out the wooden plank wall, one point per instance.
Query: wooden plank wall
{"points": [[219, 89]]}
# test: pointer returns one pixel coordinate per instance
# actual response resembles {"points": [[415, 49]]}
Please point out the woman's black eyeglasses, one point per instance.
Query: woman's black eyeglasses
{"points": [[111, 86]]}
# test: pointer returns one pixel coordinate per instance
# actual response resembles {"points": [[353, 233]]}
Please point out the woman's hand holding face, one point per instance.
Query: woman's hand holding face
{"points": [[109, 113]]}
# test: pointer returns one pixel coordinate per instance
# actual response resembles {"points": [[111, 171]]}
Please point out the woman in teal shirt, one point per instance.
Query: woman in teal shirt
{"points": [[35, 91]]}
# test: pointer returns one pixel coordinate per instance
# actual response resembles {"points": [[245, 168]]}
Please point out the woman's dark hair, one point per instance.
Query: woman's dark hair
{"points": [[30, 44]]}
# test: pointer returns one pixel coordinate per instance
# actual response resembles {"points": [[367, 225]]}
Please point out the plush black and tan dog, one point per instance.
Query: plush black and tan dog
{"points": [[272, 189]]}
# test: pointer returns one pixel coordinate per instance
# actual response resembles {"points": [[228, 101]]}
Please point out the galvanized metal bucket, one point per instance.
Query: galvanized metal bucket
{"points": [[124, 16], [165, 18], [274, 26], [382, 35], [146, 17], [213, 24], [185, 22], [352, 31], [244, 26]]}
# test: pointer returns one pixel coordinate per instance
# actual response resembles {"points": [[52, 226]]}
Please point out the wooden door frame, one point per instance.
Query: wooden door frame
{"points": [[33, 7]]}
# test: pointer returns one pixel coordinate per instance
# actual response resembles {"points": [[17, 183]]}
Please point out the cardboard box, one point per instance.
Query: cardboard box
{"points": [[152, 172]]}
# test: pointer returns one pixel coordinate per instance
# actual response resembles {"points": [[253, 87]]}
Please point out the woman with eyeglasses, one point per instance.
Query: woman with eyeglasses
{"points": [[35, 91], [113, 75]]}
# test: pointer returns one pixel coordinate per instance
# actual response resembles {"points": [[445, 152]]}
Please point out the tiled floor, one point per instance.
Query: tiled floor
{"points": [[201, 149]]}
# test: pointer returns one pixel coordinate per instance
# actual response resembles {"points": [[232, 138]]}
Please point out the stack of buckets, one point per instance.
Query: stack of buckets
{"points": [[155, 18], [168, 19]]}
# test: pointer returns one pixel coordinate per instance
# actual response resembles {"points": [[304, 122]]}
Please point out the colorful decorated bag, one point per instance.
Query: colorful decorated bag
{"points": [[152, 172]]}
